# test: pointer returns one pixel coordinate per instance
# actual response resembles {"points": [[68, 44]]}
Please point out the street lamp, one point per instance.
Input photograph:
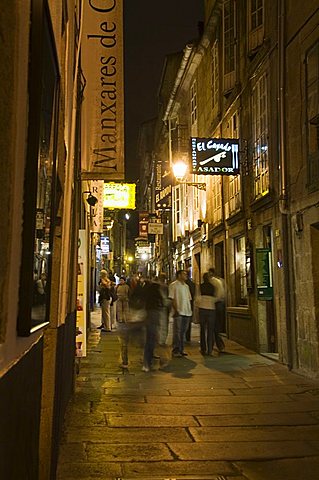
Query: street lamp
{"points": [[180, 169]]}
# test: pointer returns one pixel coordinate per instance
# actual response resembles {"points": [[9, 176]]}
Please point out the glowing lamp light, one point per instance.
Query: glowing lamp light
{"points": [[144, 256], [180, 169]]}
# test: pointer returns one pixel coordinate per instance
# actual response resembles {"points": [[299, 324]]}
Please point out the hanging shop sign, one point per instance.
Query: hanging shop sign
{"points": [[81, 300], [119, 195], [97, 211], [264, 274], [215, 156], [143, 224], [155, 228], [105, 245], [163, 186], [102, 109]]}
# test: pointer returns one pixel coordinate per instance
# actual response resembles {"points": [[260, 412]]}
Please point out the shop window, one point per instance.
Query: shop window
{"points": [[240, 271], [312, 76], [260, 138], [40, 176]]}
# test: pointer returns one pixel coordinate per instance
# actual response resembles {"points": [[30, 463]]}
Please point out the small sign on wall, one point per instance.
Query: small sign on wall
{"points": [[264, 274]]}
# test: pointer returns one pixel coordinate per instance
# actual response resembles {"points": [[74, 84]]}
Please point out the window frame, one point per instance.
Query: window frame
{"points": [[193, 102], [313, 121], [256, 33], [229, 44], [215, 74], [260, 144], [217, 199], [234, 181], [240, 274]]}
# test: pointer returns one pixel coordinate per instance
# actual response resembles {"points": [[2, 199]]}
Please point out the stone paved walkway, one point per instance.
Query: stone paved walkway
{"points": [[235, 416]]}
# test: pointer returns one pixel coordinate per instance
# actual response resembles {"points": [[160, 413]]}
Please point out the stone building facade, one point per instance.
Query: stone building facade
{"points": [[252, 76]]}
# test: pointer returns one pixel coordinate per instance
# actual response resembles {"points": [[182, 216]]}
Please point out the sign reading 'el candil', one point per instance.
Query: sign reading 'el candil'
{"points": [[215, 156]]}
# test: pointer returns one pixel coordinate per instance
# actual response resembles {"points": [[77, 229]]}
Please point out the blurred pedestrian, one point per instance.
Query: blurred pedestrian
{"points": [[192, 288], [113, 304], [219, 284], [205, 302], [181, 298], [105, 301], [122, 291], [162, 348], [153, 304], [132, 317]]}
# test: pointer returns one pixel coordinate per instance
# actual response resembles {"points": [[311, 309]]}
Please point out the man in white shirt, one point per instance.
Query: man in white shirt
{"points": [[181, 298]]}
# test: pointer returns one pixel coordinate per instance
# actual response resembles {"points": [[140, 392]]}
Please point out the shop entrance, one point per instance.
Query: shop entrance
{"points": [[272, 343]]}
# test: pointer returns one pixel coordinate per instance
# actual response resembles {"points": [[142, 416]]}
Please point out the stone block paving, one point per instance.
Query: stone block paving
{"points": [[233, 416]]}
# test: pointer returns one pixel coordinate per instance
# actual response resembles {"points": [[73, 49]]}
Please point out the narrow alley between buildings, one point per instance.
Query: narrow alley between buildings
{"points": [[237, 415]]}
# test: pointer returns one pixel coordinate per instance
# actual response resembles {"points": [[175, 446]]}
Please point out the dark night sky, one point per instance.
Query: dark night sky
{"points": [[152, 29]]}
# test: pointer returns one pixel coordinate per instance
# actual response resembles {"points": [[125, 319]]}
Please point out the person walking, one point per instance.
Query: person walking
{"points": [[131, 316], [162, 347], [154, 304], [205, 302], [192, 289], [219, 284], [180, 296], [105, 301]]}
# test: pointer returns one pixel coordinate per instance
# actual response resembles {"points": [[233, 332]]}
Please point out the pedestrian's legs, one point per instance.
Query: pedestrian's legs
{"points": [[177, 325], [220, 312], [106, 317], [162, 347], [184, 326], [188, 332], [211, 320], [151, 338], [113, 315], [202, 320], [123, 339]]}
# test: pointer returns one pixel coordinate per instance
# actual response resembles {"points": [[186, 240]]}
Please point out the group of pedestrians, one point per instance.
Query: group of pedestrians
{"points": [[143, 307]]}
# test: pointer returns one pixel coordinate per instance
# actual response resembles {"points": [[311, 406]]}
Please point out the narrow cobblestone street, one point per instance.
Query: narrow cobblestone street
{"points": [[235, 416]]}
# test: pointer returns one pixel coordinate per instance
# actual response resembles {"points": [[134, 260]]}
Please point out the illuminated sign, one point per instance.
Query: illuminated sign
{"points": [[119, 195], [105, 245], [143, 223], [215, 156]]}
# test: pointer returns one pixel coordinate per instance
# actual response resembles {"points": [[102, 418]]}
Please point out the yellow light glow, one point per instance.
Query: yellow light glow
{"points": [[119, 195], [180, 169]]}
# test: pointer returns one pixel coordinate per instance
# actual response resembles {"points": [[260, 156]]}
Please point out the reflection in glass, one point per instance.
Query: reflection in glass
{"points": [[45, 172]]}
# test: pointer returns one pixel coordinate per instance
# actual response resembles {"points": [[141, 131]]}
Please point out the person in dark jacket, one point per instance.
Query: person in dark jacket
{"points": [[207, 315], [105, 301]]}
